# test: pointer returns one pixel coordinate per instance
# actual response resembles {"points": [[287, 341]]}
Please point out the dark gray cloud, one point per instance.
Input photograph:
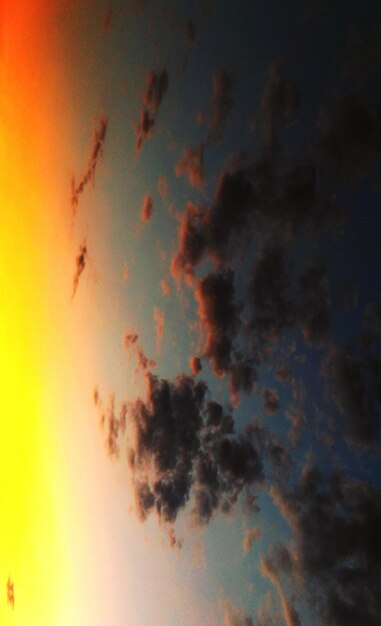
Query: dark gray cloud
{"points": [[221, 105], [280, 102], [353, 383], [337, 547], [185, 445], [156, 87]]}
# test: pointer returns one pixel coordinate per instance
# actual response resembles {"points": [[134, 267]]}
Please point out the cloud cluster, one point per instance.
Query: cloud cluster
{"points": [[335, 521], [184, 447]]}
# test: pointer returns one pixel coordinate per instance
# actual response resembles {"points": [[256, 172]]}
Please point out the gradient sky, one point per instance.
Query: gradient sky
{"points": [[190, 316]]}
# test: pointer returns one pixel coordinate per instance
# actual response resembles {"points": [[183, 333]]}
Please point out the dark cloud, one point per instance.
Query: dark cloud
{"points": [[80, 264], [183, 446], [217, 313], [336, 523], [96, 153], [271, 307], [350, 138], [271, 401], [192, 165], [279, 105], [156, 87], [221, 104], [192, 238], [353, 384], [314, 305], [144, 128]]}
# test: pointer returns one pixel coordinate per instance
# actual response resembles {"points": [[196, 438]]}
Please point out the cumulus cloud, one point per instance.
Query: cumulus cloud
{"points": [[335, 521], [183, 446]]}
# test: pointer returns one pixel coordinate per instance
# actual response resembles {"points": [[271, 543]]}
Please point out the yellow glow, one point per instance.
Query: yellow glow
{"points": [[31, 549]]}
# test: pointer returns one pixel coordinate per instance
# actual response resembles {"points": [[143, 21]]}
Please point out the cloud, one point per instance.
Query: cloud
{"points": [[349, 143], [271, 401], [221, 104], [80, 264], [143, 128], [146, 210], [192, 165], [271, 308], [335, 520], [251, 535], [133, 347], [156, 87], [290, 614], [217, 313], [195, 365], [96, 153], [165, 288], [159, 318], [353, 384], [11, 592], [178, 452], [279, 105]]}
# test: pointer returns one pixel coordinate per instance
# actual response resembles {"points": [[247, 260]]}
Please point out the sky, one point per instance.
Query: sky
{"points": [[190, 320]]}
